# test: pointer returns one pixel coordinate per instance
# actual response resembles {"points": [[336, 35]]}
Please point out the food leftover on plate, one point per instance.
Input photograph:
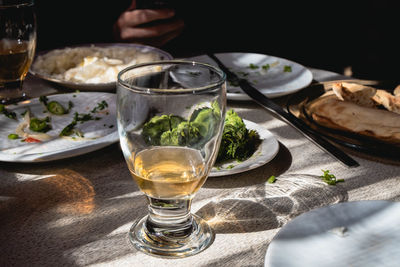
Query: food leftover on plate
{"points": [[358, 109], [90, 64]]}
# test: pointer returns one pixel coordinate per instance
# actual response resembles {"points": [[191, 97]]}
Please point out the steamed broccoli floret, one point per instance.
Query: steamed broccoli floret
{"points": [[169, 138], [206, 120], [188, 133], [175, 131], [237, 141], [184, 134], [156, 126]]}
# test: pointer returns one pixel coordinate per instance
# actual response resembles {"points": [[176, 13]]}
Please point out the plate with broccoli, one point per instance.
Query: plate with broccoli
{"points": [[57, 126], [245, 145]]}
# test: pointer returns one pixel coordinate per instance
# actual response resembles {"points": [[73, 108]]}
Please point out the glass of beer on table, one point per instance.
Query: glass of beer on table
{"points": [[17, 47], [170, 120]]}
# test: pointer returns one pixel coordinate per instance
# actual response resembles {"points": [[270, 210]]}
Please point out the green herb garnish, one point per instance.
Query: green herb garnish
{"points": [[287, 68], [70, 128], [100, 106], [271, 179], [265, 67], [253, 66], [330, 178]]}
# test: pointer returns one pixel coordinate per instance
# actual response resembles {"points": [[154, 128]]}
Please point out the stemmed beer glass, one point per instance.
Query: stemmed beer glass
{"points": [[170, 121], [17, 47]]}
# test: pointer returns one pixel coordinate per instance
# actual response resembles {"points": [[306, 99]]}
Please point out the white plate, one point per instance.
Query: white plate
{"points": [[104, 131], [96, 86], [316, 238], [273, 82], [266, 151]]}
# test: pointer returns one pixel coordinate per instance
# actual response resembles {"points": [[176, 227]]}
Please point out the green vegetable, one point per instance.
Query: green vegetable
{"points": [[287, 68], [55, 107], [78, 117], [69, 129], [7, 113], [40, 125], [100, 106], [271, 179], [156, 126], [13, 136], [253, 66], [206, 120], [171, 130], [237, 142], [265, 67], [184, 134], [330, 178]]}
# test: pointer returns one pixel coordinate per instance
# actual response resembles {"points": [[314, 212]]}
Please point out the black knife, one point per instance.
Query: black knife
{"points": [[287, 117]]}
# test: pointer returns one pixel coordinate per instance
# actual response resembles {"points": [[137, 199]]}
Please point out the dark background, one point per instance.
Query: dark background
{"points": [[330, 35]]}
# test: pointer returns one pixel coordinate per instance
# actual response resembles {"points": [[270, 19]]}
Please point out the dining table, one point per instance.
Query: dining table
{"points": [[77, 211]]}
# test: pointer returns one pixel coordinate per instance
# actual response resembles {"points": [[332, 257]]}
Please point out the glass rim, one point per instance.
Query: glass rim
{"points": [[148, 90]]}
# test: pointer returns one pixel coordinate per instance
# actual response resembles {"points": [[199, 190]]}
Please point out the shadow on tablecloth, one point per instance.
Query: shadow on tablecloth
{"points": [[268, 206]]}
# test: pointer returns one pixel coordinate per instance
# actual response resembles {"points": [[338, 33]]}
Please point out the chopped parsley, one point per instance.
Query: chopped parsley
{"points": [[287, 68], [100, 106], [253, 66], [330, 178], [265, 67], [83, 117]]}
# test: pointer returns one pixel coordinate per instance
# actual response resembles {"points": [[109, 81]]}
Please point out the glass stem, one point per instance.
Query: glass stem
{"points": [[169, 218]]}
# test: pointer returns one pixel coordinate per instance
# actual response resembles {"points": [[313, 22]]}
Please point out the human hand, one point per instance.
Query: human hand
{"points": [[147, 26]]}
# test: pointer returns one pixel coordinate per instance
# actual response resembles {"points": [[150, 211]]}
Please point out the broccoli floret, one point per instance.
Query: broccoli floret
{"points": [[169, 138], [188, 133], [237, 141], [156, 126], [184, 134], [206, 120]]}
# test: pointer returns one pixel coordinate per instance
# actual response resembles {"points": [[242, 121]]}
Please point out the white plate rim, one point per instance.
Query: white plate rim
{"points": [[93, 86], [266, 151], [308, 76], [341, 208], [84, 148]]}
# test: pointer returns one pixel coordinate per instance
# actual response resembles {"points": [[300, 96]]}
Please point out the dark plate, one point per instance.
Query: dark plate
{"points": [[357, 142]]}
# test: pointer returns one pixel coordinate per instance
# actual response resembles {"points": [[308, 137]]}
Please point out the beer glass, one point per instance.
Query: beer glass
{"points": [[17, 47], [170, 120]]}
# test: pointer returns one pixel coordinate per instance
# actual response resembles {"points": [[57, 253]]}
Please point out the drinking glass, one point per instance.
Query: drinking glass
{"points": [[170, 122], [17, 47]]}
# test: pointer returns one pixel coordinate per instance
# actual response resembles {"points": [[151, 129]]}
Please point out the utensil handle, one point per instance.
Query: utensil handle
{"points": [[298, 124]]}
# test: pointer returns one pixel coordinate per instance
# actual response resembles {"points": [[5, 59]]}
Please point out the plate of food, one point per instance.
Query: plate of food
{"points": [[92, 67], [359, 233], [245, 146], [273, 76], [352, 114], [57, 126]]}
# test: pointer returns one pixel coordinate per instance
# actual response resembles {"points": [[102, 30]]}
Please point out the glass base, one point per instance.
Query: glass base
{"points": [[11, 93], [167, 244]]}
